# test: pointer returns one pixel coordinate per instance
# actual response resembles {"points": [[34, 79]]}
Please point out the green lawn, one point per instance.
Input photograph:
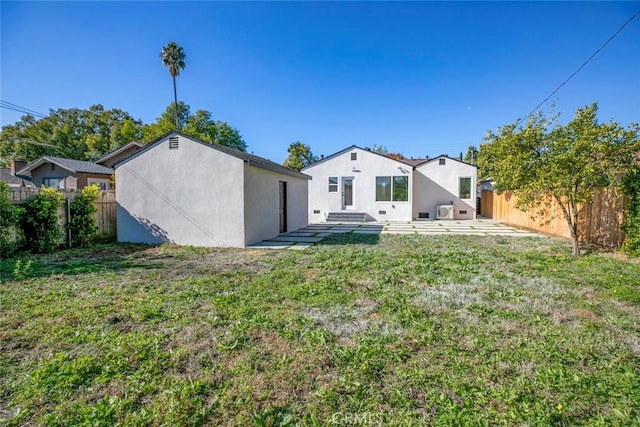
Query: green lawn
{"points": [[359, 330]]}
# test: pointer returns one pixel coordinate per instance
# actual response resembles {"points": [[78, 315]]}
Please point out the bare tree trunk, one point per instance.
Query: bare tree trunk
{"points": [[575, 232], [175, 102], [570, 212]]}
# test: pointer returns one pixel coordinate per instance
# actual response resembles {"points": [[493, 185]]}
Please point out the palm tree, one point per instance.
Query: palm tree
{"points": [[173, 58]]}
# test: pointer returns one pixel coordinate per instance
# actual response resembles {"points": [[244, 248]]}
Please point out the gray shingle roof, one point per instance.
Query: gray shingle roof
{"points": [[253, 160], [249, 159], [12, 180], [70, 165], [108, 156]]}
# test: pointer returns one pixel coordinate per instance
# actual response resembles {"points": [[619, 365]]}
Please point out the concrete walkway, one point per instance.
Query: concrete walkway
{"points": [[312, 234]]}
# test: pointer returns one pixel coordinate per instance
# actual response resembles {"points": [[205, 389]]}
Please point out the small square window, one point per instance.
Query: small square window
{"points": [[354, 156], [333, 184], [443, 161]]}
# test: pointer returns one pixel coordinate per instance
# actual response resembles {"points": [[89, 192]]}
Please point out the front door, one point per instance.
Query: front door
{"points": [[347, 193], [283, 207]]}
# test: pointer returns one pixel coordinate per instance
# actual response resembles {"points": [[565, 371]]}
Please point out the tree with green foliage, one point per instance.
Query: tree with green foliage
{"points": [[382, 150], [300, 156], [167, 121], [542, 161], [90, 134], [471, 156], [9, 215], [73, 133], [173, 57], [42, 231], [199, 125], [631, 225], [83, 223], [378, 149]]}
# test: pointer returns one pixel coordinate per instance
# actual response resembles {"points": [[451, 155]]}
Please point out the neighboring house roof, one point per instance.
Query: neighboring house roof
{"points": [[75, 166], [411, 162], [119, 150], [414, 162], [249, 159], [429, 160], [13, 180], [324, 159]]}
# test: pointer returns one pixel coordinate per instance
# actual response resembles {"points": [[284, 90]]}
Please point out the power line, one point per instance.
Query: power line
{"points": [[27, 110], [14, 107], [581, 66]]}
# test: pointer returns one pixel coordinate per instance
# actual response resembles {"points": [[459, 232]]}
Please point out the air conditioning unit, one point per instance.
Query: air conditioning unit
{"points": [[444, 212]]}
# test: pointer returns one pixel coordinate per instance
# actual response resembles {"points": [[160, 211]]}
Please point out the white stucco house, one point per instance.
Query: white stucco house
{"points": [[361, 184], [182, 190]]}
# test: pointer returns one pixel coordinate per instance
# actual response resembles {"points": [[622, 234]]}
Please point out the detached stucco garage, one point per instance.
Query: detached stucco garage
{"points": [[182, 190]]}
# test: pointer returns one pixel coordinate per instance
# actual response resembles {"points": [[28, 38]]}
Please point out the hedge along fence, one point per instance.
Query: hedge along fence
{"points": [[600, 221], [105, 214]]}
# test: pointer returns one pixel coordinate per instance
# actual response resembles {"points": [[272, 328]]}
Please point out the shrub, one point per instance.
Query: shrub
{"points": [[40, 221], [631, 226], [8, 217], [82, 223]]}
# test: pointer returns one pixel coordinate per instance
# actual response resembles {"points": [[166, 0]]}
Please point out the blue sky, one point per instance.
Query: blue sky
{"points": [[421, 78]]}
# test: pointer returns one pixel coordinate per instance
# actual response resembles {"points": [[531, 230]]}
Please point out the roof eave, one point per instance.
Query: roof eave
{"points": [[39, 163]]}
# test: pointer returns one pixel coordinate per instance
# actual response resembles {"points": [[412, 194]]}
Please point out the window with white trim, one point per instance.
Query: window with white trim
{"points": [[392, 188], [333, 184], [464, 188]]}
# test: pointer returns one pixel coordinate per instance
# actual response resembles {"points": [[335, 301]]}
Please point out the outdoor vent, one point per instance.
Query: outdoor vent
{"points": [[423, 215], [316, 211], [173, 143], [463, 212], [53, 167], [443, 161], [382, 212], [354, 156]]}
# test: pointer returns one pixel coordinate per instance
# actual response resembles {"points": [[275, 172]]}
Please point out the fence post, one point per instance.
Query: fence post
{"points": [[68, 221]]}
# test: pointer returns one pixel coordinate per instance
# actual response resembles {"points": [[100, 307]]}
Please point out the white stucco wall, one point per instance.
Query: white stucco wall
{"points": [[364, 171], [262, 203], [192, 195], [436, 184]]}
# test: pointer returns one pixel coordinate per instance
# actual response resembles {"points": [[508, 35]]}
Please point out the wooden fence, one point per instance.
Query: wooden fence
{"points": [[105, 215], [600, 221]]}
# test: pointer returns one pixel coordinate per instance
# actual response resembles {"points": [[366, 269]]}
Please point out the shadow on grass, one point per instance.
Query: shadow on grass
{"points": [[350, 239], [101, 257]]}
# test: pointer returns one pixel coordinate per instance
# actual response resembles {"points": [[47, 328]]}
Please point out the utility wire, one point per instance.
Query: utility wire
{"points": [[13, 107], [580, 67], [24, 109]]}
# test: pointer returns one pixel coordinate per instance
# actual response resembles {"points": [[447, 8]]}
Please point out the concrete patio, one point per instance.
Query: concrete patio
{"points": [[313, 233]]}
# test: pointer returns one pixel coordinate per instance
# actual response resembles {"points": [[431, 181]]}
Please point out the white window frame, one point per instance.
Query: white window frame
{"points": [[470, 178], [392, 185], [333, 186]]}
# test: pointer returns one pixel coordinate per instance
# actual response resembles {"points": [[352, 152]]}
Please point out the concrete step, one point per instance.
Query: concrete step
{"points": [[347, 217]]}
